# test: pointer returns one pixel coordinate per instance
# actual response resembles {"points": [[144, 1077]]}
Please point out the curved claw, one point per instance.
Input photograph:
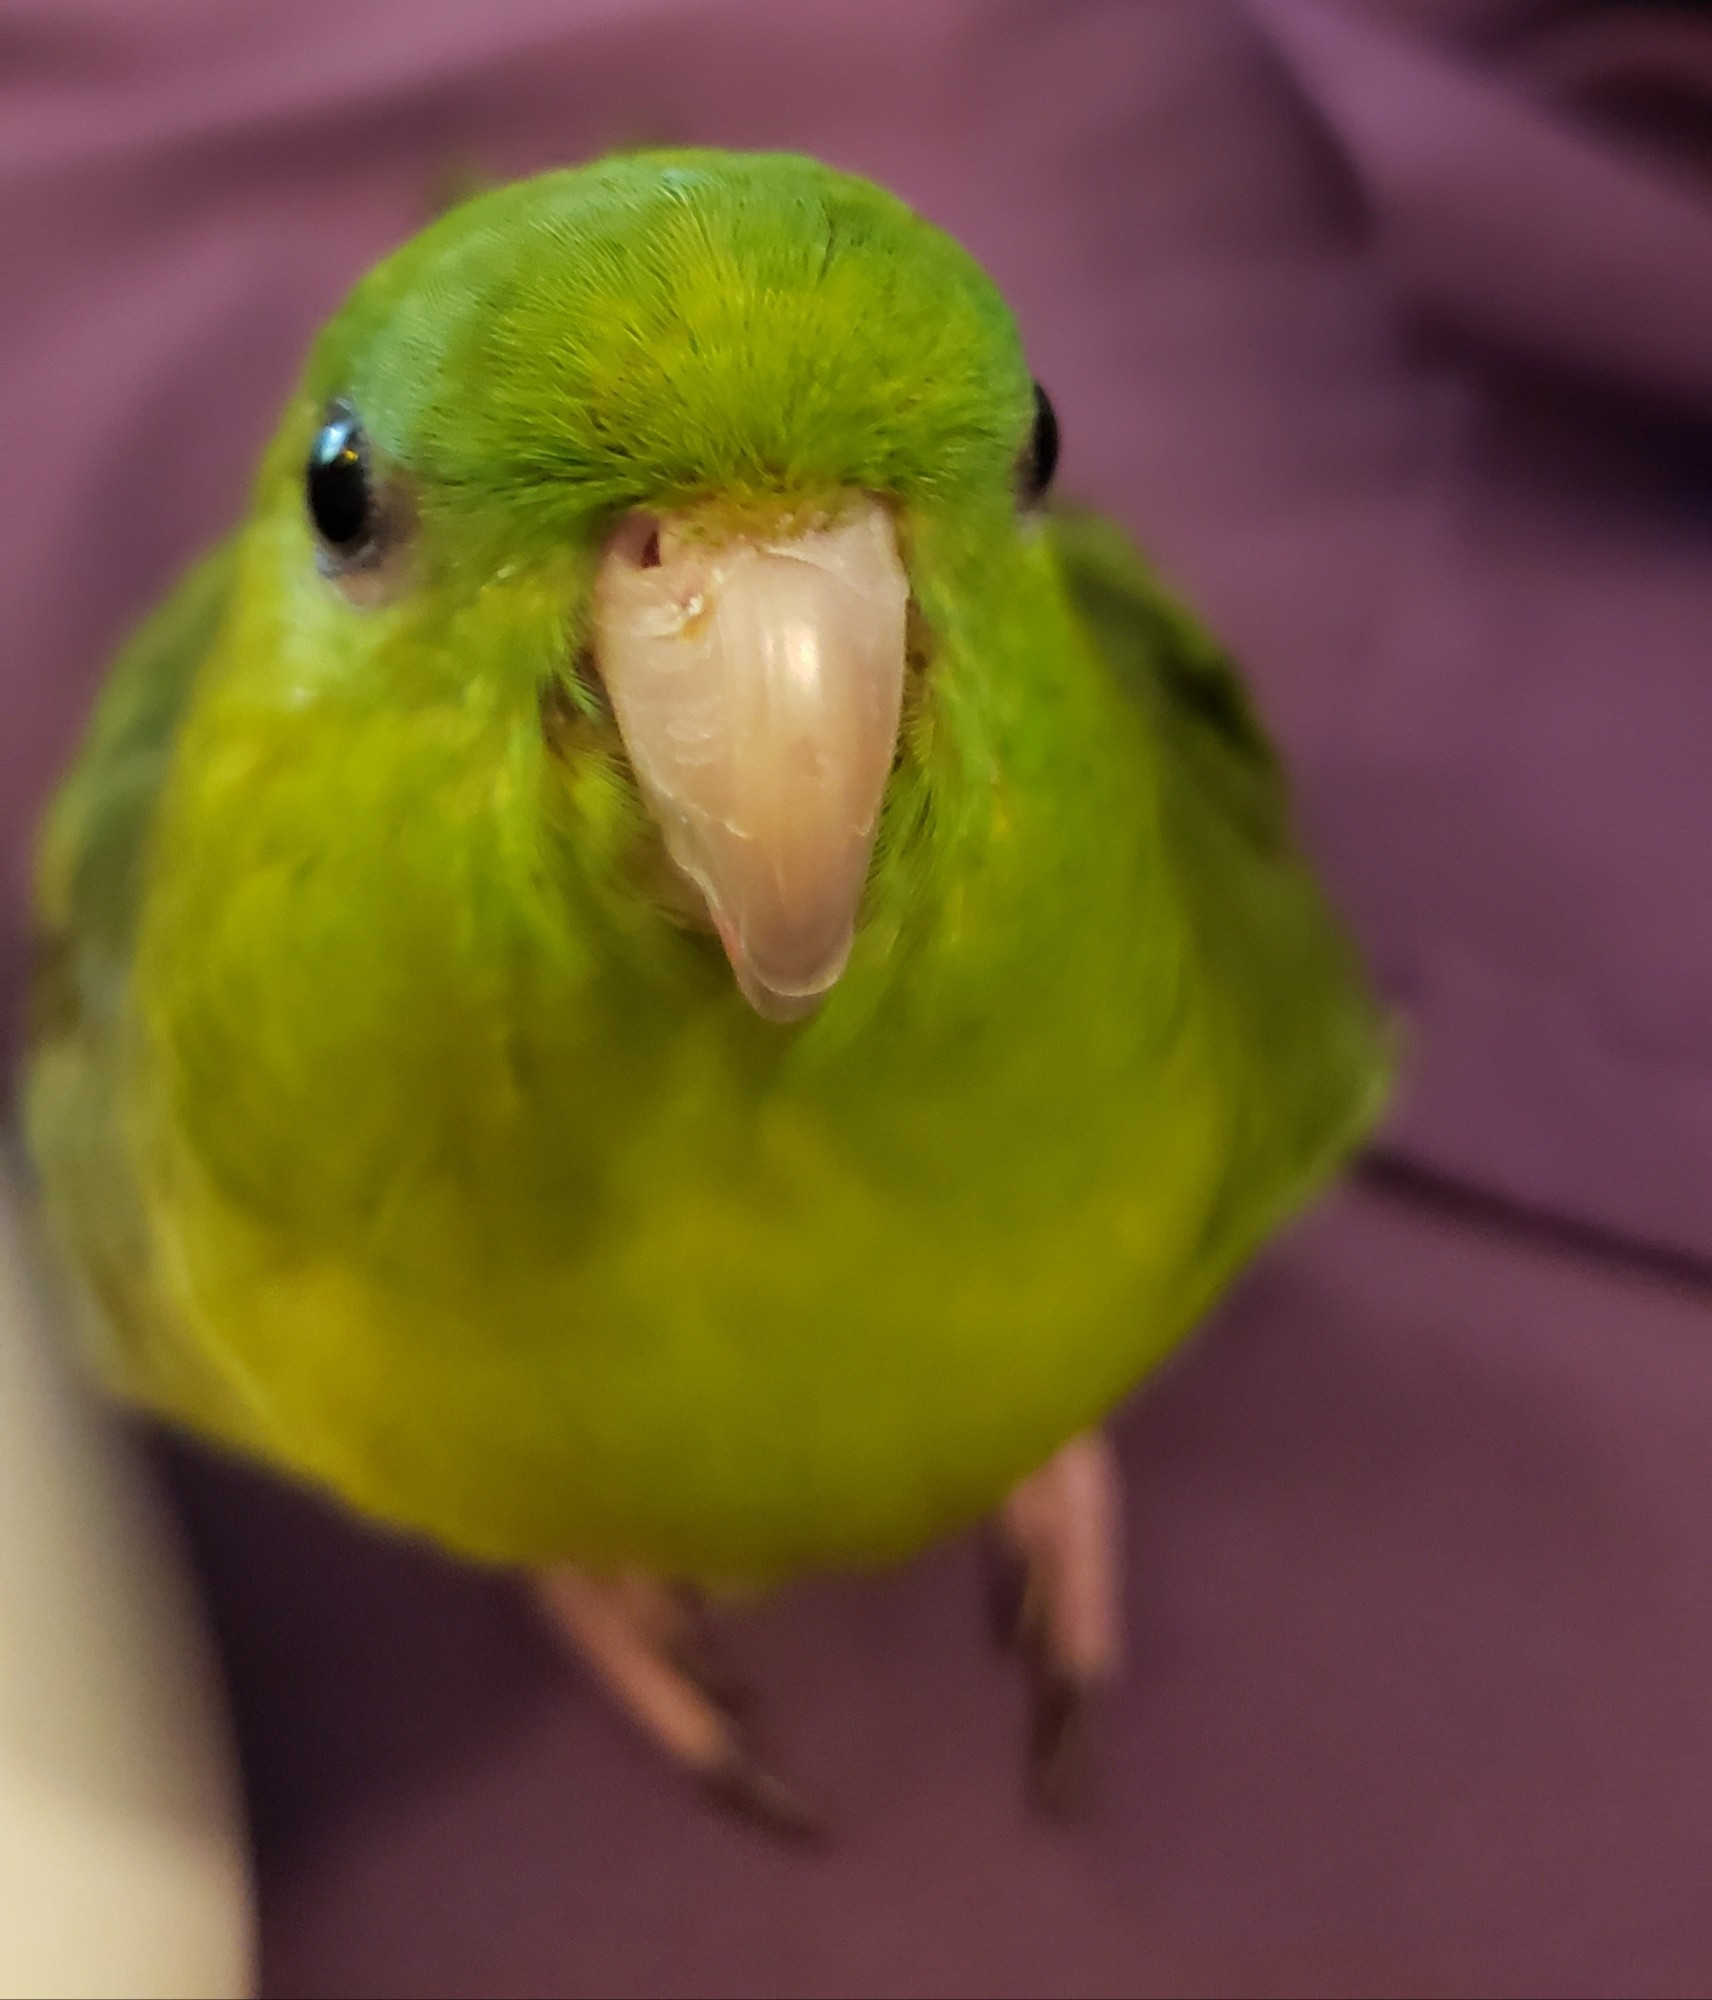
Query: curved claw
{"points": [[1054, 1596], [651, 1646], [1062, 1764], [747, 1788]]}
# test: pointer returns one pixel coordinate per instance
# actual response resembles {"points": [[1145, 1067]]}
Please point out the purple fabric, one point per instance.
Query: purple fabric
{"points": [[1387, 325]]}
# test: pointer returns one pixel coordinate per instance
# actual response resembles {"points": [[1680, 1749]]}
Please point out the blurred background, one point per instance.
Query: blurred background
{"points": [[1386, 325]]}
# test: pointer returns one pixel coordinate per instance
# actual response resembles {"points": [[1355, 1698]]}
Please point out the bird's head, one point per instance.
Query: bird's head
{"points": [[683, 444]]}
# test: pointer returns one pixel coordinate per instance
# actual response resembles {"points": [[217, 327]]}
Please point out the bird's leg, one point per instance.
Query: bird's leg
{"points": [[648, 1643], [1059, 1601]]}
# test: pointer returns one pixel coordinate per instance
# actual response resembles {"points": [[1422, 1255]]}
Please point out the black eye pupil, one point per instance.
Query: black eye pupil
{"points": [[337, 482], [1040, 454]]}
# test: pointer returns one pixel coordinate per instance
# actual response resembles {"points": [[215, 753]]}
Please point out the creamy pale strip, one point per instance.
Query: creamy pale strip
{"points": [[757, 685]]}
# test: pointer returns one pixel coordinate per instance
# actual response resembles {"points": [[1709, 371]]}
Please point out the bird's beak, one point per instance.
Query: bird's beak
{"points": [[756, 683]]}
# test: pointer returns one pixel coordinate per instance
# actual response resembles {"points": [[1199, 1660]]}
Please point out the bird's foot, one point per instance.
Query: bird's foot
{"points": [[1057, 1599], [650, 1645]]}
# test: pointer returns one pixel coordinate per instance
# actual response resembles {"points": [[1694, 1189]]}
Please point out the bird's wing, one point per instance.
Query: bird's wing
{"points": [[91, 869], [1306, 1050]]}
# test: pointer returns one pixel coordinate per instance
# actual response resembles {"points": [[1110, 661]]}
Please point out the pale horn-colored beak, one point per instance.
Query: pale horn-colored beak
{"points": [[757, 684]]}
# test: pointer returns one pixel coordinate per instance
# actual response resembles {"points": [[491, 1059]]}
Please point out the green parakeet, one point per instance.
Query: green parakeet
{"points": [[655, 971]]}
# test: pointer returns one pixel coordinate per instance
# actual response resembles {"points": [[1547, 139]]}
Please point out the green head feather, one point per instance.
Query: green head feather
{"points": [[668, 327]]}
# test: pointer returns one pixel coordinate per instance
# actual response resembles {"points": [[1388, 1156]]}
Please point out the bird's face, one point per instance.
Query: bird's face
{"points": [[691, 413]]}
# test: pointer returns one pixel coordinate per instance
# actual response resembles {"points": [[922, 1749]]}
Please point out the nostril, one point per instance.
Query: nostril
{"points": [[636, 540]]}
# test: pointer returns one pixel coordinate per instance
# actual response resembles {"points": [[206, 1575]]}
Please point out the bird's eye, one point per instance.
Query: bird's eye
{"points": [[1040, 455], [339, 484]]}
